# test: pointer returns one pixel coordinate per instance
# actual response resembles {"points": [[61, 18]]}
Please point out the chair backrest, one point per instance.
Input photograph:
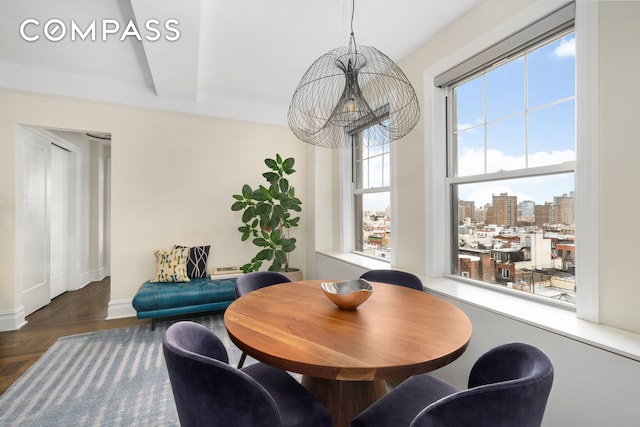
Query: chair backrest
{"points": [[394, 277], [256, 280], [508, 386], [207, 391]]}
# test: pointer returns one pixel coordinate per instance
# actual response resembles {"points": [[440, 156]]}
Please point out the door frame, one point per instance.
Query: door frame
{"points": [[38, 136], [59, 202]]}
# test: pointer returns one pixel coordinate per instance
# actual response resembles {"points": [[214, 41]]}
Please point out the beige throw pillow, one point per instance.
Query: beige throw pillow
{"points": [[171, 265]]}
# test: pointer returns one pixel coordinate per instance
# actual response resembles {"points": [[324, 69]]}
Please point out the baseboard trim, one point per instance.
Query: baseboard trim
{"points": [[85, 279], [101, 273], [11, 320], [119, 309]]}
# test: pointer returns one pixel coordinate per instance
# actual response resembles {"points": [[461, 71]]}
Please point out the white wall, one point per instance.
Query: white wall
{"points": [[172, 180], [619, 152]]}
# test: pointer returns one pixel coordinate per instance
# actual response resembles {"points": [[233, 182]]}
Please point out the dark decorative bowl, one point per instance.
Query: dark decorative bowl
{"points": [[347, 295]]}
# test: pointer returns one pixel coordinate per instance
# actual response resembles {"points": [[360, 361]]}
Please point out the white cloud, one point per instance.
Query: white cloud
{"points": [[565, 48], [471, 161], [552, 158], [465, 126], [541, 189]]}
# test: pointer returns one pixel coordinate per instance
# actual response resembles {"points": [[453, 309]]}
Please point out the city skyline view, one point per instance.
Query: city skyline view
{"points": [[540, 189]]}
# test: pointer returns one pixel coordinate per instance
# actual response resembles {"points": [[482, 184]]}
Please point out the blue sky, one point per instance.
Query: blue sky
{"points": [[545, 136]]}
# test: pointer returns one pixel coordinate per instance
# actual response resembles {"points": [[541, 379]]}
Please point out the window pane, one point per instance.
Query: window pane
{"points": [[506, 144], [372, 197], [470, 147], [552, 134], [505, 90], [551, 71], [365, 174], [512, 138], [386, 165], [375, 172], [470, 97], [376, 224], [375, 150], [509, 233], [372, 168]]}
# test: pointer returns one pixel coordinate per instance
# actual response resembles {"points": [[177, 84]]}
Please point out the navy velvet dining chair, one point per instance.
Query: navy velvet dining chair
{"points": [[394, 277], [210, 392], [508, 387], [256, 280]]}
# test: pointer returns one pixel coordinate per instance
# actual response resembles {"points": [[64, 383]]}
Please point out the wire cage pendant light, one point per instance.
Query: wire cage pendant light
{"points": [[350, 89]]}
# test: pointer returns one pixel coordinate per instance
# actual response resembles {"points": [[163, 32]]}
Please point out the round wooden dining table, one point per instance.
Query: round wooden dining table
{"points": [[346, 356]]}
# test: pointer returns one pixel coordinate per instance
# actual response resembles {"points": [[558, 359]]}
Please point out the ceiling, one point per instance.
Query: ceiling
{"points": [[233, 58]]}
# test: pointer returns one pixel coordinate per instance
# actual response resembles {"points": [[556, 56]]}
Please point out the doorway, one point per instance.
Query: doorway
{"points": [[65, 211]]}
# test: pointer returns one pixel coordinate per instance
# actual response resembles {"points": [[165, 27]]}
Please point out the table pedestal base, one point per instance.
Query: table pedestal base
{"points": [[344, 399]]}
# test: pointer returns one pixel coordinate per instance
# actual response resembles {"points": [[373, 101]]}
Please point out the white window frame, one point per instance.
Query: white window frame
{"points": [[347, 208], [567, 167], [439, 220], [363, 191]]}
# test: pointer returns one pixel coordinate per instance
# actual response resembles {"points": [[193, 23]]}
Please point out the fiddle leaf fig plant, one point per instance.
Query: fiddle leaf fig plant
{"points": [[268, 213]]}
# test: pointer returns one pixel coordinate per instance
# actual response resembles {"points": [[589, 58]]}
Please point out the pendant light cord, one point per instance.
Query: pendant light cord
{"points": [[353, 7], [352, 39]]}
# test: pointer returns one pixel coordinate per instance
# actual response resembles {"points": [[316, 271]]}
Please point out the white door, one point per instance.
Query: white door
{"points": [[59, 226], [107, 214], [36, 291]]}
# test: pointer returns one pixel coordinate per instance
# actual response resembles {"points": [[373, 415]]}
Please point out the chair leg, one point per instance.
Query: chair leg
{"points": [[242, 358]]}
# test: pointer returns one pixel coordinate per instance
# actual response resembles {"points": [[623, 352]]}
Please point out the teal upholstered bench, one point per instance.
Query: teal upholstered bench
{"points": [[162, 299]]}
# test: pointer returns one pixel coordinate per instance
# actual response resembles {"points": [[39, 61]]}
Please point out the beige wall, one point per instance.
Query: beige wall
{"points": [[619, 153], [172, 180]]}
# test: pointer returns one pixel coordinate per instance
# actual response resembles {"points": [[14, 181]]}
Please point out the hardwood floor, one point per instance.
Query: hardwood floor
{"points": [[75, 312]]}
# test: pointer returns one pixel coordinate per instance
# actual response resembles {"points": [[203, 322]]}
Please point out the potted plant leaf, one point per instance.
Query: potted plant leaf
{"points": [[268, 213]]}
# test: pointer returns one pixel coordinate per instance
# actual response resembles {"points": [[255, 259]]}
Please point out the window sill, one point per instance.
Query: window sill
{"points": [[554, 319], [551, 318], [357, 260]]}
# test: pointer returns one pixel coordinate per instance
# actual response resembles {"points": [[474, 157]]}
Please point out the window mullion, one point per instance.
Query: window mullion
{"points": [[372, 190], [526, 111], [566, 167], [484, 120], [371, 235]]}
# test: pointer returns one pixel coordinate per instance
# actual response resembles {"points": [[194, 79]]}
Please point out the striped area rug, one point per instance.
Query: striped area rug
{"points": [[109, 378]]}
